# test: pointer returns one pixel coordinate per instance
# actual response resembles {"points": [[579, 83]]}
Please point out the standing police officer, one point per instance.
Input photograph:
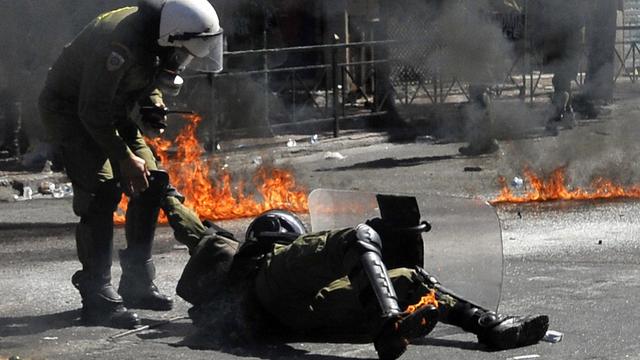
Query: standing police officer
{"points": [[124, 58]]}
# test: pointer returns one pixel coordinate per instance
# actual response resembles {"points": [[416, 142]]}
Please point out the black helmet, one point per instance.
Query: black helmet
{"points": [[275, 224]]}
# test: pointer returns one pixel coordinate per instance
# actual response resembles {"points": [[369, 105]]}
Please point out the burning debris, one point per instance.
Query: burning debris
{"points": [[428, 299], [222, 198], [554, 188]]}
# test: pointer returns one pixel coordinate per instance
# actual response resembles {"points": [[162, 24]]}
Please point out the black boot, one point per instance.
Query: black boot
{"points": [[137, 287], [138, 271], [496, 331], [501, 332], [101, 305], [398, 331]]}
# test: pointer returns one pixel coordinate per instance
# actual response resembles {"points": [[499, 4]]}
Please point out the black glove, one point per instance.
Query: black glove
{"points": [[154, 119]]}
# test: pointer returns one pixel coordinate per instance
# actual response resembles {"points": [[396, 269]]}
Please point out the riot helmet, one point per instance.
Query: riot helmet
{"points": [[186, 29], [275, 224], [194, 27]]}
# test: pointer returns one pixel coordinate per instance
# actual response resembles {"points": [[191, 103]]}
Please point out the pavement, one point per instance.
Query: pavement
{"points": [[575, 261]]}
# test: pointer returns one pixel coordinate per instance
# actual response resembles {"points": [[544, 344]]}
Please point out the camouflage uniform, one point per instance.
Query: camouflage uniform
{"points": [[86, 106]]}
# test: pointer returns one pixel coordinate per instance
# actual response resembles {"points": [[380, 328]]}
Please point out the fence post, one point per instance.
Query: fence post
{"points": [[634, 47], [15, 144], [334, 75], [265, 68]]}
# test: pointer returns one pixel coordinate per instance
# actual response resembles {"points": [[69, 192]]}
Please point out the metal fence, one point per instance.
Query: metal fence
{"points": [[628, 55], [325, 96]]}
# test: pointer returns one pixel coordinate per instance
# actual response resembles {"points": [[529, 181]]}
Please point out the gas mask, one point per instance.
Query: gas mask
{"points": [[172, 64]]}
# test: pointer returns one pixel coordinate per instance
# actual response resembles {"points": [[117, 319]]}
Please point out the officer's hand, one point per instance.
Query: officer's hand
{"points": [[154, 119], [134, 173]]}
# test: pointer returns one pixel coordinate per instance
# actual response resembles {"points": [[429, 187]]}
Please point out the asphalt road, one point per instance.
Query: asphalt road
{"points": [[575, 261]]}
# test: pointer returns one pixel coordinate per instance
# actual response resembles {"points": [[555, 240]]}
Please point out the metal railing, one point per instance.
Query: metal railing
{"points": [[329, 84], [632, 54]]}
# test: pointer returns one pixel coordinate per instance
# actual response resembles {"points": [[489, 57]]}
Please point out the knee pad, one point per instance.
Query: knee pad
{"points": [[364, 240], [368, 274]]}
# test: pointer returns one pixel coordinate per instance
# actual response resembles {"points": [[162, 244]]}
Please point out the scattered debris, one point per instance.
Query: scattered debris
{"points": [[147, 327], [5, 181], [257, 160], [180, 247], [553, 336], [517, 182], [27, 194], [472, 169], [50, 338], [314, 139], [524, 357], [331, 155], [425, 139], [46, 187], [292, 143]]}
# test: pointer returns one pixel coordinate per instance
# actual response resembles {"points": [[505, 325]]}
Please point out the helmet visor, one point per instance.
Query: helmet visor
{"points": [[208, 45]]}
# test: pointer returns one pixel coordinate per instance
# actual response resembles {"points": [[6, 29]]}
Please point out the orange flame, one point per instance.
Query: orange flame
{"points": [[217, 200], [554, 188], [428, 299]]}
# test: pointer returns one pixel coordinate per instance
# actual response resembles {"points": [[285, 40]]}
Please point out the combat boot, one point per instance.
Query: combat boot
{"points": [[498, 332], [563, 115], [137, 287], [101, 305], [138, 271], [398, 331]]}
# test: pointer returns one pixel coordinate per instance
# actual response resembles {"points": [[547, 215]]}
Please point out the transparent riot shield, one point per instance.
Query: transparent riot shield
{"points": [[463, 249]]}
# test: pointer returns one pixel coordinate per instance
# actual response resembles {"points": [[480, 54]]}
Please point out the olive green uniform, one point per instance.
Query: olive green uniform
{"points": [[313, 286], [86, 106], [303, 285], [87, 102], [308, 279]]}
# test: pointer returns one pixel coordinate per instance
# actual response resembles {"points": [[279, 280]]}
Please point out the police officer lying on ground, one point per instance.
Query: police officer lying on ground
{"points": [[337, 282], [124, 58]]}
